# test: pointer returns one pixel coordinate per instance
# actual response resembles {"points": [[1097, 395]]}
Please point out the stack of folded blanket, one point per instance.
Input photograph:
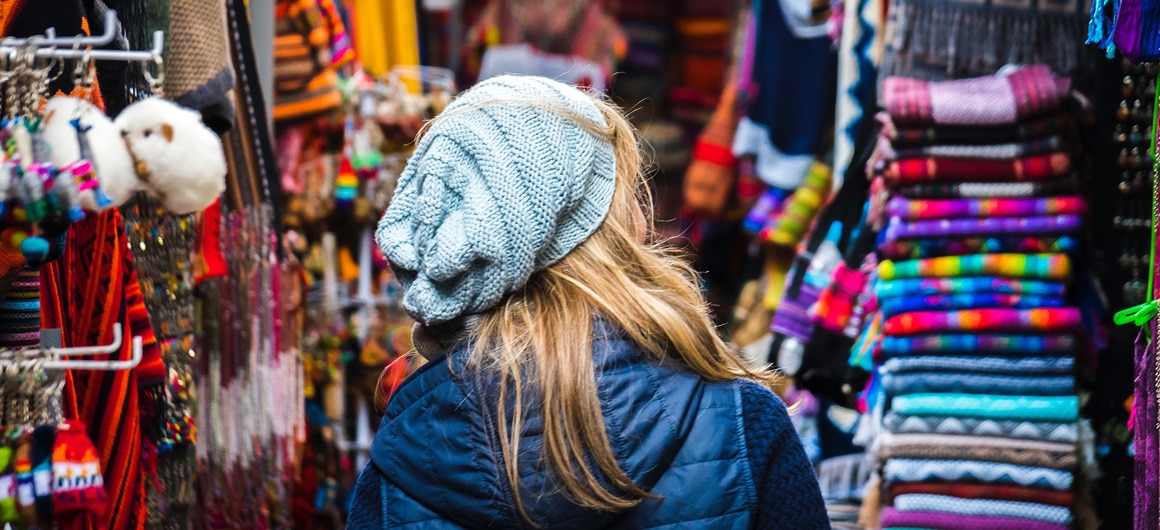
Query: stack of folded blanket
{"points": [[978, 347]]}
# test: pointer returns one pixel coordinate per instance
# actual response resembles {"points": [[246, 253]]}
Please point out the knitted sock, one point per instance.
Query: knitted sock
{"points": [[78, 485], [8, 512], [788, 228], [43, 438]]}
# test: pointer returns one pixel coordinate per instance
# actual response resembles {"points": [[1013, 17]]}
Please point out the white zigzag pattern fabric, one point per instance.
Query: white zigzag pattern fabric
{"points": [[1054, 432], [910, 470], [989, 507]]}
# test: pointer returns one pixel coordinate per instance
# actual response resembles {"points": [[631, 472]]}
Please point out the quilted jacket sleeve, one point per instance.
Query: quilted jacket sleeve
{"points": [[366, 510], [787, 487]]}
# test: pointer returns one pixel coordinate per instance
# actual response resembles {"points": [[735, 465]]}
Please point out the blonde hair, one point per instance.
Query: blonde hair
{"points": [[539, 340]]}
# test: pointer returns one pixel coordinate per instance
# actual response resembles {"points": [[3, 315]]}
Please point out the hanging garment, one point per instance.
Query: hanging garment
{"points": [[795, 72], [386, 34], [859, 55], [946, 39], [92, 287]]}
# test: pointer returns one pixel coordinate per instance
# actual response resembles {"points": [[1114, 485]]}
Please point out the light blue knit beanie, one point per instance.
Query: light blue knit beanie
{"points": [[497, 190]]}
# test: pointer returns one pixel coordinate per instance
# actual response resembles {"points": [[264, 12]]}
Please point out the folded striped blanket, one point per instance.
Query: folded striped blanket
{"points": [[907, 249], [898, 520], [1032, 453], [1030, 168], [1028, 408], [973, 383], [1054, 431], [1040, 225], [916, 209], [966, 490], [919, 135], [985, 284], [1013, 345], [911, 470], [1001, 151], [1064, 364], [943, 302], [987, 507], [940, 190], [1031, 266], [1053, 319]]}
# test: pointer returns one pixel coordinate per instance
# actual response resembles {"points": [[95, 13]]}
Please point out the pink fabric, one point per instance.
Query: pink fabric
{"points": [[993, 100]]}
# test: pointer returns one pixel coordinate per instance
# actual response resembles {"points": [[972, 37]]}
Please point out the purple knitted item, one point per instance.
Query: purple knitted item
{"points": [[793, 318], [1046, 224], [892, 518], [1147, 459]]}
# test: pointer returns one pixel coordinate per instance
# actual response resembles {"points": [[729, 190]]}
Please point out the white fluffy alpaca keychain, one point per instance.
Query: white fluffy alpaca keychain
{"points": [[154, 145], [175, 156]]}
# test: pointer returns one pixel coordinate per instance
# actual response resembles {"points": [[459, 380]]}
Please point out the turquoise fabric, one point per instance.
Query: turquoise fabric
{"points": [[1061, 408]]}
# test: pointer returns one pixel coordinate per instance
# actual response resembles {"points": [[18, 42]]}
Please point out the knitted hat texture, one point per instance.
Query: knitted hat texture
{"points": [[494, 193]]}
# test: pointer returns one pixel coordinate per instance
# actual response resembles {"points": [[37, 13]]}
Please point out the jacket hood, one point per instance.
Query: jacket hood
{"points": [[439, 444]]}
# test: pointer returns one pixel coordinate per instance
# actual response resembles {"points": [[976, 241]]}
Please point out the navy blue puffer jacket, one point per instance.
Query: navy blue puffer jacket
{"points": [[720, 455]]}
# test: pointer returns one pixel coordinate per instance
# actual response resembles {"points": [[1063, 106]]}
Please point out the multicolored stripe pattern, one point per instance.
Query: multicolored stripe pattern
{"points": [[998, 344], [906, 304], [985, 284], [1034, 266], [914, 209], [907, 249], [1059, 319]]}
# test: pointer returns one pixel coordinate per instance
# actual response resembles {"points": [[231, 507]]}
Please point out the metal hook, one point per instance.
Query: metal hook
{"points": [[156, 82]]}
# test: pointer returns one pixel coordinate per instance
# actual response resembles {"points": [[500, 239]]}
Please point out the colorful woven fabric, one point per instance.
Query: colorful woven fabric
{"points": [[911, 470], [1035, 266], [1064, 364], [118, 407], [836, 305], [985, 284], [1052, 319], [972, 135], [1004, 99], [973, 383], [1004, 151], [1030, 168], [889, 439], [965, 490], [939, 247], [993, 508], [930, 450], [938, 228], [895, 519], [1063, 432], [787, 228], [943, 190], [898, 305], [978, 344], [1027, 408], [918, 209]]}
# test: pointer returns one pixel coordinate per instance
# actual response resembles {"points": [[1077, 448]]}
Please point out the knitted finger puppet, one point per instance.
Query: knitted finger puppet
{"points": [[77, 485], [175, 156], [8, 513], [84, 141]]}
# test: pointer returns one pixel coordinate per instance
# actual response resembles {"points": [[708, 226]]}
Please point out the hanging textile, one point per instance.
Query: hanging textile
{"points": [[92, 287], [386, 34], [946, 39], [859, 54], [794, 103]]}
